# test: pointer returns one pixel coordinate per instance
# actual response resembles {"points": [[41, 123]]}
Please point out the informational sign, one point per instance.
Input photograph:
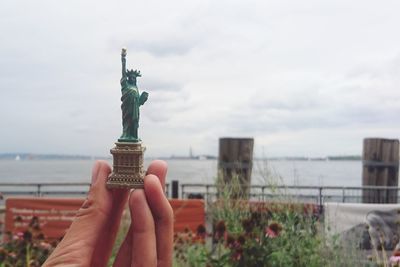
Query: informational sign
{"points": [[54, 215], [188, 214]]}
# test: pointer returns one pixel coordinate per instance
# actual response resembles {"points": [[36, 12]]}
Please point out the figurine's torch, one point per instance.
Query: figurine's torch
{"points": [[123, 52]]}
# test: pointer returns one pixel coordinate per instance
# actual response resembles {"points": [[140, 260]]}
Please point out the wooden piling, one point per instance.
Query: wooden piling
{"points": [[175, 189], [236, 161], [380, 168]]}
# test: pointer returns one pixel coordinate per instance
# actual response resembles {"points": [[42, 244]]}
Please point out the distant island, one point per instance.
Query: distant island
{"points": [[328, 158], [200, 157]]}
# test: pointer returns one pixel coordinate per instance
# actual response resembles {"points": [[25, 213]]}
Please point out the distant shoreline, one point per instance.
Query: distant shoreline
{"points": [[29, 156]]}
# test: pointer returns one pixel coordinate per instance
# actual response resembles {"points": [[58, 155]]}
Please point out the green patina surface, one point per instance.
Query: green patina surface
{"points": [[131, 101]]}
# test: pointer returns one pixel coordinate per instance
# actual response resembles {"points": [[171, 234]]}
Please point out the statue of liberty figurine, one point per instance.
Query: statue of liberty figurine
{"points": [[128, 153], [131, 101]]}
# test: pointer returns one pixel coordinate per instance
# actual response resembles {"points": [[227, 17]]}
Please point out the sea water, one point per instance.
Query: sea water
{"points": [[287, 172]]}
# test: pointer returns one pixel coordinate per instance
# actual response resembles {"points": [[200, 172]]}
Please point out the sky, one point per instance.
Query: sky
{"points": [[303, 78]]}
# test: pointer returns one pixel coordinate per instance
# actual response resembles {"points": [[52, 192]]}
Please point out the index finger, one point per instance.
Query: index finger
{"points": [[158, 168], [163, 219]]}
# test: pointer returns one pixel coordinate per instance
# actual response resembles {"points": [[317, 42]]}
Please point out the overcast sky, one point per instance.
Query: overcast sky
{"points": [[304, 78]]}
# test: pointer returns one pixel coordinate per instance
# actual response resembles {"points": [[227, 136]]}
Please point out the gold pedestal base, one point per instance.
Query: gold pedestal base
{"points": [[128, 169]]}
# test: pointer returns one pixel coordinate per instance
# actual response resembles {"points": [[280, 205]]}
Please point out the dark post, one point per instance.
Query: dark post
{"points": [[236, 158], [380, 168], [175, 189]]}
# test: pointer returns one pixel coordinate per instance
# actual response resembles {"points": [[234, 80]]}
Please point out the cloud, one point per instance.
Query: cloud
{"points": [[163, 47], [282, 72], [155, 84]]}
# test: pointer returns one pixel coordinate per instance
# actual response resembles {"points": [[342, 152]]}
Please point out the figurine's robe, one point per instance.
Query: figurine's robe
{"points": [[130, 107]]}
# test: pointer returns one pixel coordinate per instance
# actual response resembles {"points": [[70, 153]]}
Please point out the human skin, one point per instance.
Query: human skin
{"points": [[149, 241]]}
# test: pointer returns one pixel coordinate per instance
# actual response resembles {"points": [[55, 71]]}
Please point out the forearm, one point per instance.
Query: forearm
{"points": [[123, 60]]}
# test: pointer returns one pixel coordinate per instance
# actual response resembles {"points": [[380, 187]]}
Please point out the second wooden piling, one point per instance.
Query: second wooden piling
{"points": [[380, 168]]}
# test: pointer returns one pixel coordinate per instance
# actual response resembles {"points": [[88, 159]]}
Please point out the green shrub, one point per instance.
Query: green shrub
{"points": [[246, 234], [29, 248]]}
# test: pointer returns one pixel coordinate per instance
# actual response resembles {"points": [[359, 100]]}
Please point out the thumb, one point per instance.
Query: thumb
{"points": [[92, 224]]}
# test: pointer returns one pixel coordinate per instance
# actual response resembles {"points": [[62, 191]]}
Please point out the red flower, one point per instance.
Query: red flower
{"points": [[18, 236], [237, 255], [248, 225], [201, 231], [230, 241], [241, 240], [273, 230], [220, 229], [45, 245]]}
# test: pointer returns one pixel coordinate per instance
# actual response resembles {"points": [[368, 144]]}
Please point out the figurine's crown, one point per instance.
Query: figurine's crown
{"points": [[134, 73]]}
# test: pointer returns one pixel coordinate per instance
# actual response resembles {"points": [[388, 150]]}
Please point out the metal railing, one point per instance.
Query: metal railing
{"points": [[310, 194], [43, 189], [48, 189]]}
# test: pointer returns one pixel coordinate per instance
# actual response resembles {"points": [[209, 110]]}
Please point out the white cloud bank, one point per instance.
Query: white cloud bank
{"points": [[302, 78]]}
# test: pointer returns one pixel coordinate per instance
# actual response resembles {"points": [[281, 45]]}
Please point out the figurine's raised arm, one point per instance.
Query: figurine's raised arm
{"points": [[123, 59]]}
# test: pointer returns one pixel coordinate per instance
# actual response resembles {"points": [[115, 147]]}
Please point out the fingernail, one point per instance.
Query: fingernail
{"points": [[95, 172]]}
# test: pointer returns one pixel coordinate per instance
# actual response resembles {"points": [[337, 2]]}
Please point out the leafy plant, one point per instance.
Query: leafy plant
{"points": [[247, 233], [26, 249]]}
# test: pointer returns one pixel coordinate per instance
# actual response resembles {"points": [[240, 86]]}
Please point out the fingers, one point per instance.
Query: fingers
{"points": [[124, 258], [107, 236], [139, 246], [158, 168], [97, 220], [149, 241], [143, 235], [163, 219]]}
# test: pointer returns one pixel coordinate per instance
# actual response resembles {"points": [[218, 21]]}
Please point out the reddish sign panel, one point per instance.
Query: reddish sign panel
{"points": [[55, 215], [188, 214]]}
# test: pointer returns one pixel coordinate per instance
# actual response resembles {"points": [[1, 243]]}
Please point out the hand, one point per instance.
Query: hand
{"points": [[90, 239]]}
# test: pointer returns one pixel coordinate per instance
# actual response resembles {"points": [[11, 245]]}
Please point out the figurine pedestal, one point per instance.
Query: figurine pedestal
{"points": [[128, 169]]}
